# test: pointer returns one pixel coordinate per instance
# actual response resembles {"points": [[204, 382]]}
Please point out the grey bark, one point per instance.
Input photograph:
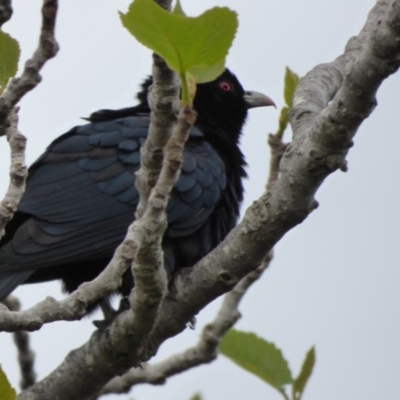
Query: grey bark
{"points": [[205, 351]]}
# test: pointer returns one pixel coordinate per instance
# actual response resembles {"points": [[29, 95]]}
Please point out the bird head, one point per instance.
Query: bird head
{"points": [[222, 105]]}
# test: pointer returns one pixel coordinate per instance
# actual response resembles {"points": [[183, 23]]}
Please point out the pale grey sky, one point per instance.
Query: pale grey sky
{"points": [[335, 279]]}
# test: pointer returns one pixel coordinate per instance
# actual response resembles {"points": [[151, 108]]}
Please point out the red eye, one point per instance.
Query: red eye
{"points": [[225, 86]]}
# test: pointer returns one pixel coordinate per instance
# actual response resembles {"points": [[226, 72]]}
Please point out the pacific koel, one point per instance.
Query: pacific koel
{"points": [[80, 196]]}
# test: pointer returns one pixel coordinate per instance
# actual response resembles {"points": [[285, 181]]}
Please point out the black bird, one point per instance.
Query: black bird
{"points": [[80, 195]]}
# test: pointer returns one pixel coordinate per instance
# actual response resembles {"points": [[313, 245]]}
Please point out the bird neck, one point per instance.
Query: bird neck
{"points": [[228, 149]]}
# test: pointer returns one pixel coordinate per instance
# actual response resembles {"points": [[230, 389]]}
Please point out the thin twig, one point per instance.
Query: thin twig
{"points": [[16, 89], [18, 172], [30, 77], [26, 356]]}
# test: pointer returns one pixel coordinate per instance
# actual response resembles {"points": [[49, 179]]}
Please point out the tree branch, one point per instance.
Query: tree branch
{"points": [[26, 357], [278, 149], [30, 77], [163, 99], [16, 89], [205, 351], [18, 172]]}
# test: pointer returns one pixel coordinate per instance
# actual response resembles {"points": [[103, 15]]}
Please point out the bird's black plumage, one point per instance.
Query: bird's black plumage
{"points": [[80, 195]]}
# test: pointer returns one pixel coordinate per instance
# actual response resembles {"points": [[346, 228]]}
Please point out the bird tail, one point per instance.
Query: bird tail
{"points": [[10, 280]]}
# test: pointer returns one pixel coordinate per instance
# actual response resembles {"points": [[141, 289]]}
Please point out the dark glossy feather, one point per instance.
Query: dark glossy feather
{"points": [[81, 196]]}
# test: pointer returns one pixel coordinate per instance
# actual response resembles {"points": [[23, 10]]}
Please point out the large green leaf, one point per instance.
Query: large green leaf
{"points": [[300, 382], [9, 57], [257, 356], [195, 47], [6, 391], [291, 82]]}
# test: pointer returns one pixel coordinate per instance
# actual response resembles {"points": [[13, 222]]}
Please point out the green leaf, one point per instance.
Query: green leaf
{"points": [[9, 57], [306, 369], [257, 356], [283, 121], [178, 10], [192, 46], [196, 397], [291, 82], [203, 75], [6, 391]]}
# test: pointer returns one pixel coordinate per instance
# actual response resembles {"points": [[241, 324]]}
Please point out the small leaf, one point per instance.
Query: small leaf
{"points": [[291, 82], [306, 369], [257, 356], [178, 10], [196, 397], [6, 391], [9, 57], [196, 46], [283, 121]]}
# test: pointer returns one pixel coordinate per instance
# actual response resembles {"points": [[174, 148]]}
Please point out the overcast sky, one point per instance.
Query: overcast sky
{"points": [[334, 282]]}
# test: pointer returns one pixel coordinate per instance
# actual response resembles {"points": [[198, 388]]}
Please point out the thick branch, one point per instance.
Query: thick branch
{"points": [[205, 351]]}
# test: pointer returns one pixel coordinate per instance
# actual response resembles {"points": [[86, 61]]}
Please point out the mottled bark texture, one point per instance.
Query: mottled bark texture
{"points": [[205, 351]]}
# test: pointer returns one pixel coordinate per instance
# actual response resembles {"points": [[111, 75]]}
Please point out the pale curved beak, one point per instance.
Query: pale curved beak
{"points": [[256, 99]]}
